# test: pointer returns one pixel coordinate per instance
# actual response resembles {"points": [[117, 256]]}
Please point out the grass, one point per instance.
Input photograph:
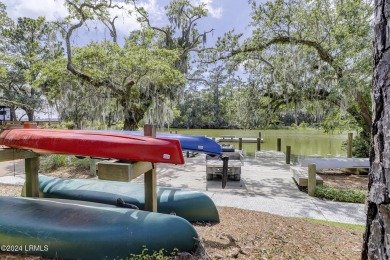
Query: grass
{"points": [[354, 227], [343, 195]]}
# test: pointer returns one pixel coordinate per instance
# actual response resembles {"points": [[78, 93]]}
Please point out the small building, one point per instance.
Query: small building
{"points": [[5, 114]]}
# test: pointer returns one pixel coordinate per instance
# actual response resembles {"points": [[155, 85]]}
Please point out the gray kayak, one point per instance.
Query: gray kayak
{"points": [[77, 230], [191, 205]]}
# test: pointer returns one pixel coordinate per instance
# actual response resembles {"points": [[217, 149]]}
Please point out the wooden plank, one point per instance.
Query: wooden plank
{"points": [[10, 154], [117, 171], [337, 163], [32, 167]]}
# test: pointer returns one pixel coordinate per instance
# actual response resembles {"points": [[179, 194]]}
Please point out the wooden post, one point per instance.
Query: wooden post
{"points": [[188, 154], [31, 167], [288, 154], [312, 180], [92, 167], [240, 144], [31, 125], [259, 142], [150, 177], [349, 148], [279, 144]]}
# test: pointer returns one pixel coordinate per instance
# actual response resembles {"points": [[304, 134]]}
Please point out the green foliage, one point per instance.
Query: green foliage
{"points": [[52, 162], [27, 45], [79, 163], [361, 146], [69, 125], [343, 195]]}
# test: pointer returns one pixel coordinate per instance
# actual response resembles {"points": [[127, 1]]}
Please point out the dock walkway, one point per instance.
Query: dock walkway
{"points": [[266, 185]]}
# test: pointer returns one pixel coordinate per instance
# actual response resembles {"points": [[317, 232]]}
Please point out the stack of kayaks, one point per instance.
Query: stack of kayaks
{"points": [[77, 229]]}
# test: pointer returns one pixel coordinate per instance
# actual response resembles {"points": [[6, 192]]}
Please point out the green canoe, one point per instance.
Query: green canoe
{"points": [[77, 230], [191, 205]]}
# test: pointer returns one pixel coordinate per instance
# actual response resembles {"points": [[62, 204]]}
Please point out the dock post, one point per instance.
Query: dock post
{"points": [[349, 148], [312, 180], [288, 154], [150, 177], [240, 144], [279, 144], [258, 144]]}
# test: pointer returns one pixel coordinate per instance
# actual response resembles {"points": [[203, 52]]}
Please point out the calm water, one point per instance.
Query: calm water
{"points": [[304, 143]]}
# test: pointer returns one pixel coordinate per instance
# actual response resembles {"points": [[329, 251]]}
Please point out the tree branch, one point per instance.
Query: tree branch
{"points": [[323, 54]]}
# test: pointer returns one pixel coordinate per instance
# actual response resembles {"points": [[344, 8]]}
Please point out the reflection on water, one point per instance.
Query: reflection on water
{"points": [[304, 143]]}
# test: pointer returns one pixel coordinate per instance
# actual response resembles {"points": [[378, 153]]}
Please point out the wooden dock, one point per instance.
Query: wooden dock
{"points": [[234, 139]]}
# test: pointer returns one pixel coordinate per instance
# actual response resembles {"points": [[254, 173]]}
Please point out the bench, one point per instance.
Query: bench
{"points": [[300, 176], [214, 166]]}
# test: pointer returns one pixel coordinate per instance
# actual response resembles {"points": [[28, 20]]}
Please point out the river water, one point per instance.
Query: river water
{"points": [[303, 142]]}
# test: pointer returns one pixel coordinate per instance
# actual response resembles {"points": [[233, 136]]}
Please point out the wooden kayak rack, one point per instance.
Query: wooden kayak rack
{"points": [[128, 170]]}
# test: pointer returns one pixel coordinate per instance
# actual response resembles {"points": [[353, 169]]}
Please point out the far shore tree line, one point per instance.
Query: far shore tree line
{"points": [[305, 61]]}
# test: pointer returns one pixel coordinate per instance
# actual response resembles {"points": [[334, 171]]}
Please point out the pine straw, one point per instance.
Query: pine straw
{"points": [[244, 234]]}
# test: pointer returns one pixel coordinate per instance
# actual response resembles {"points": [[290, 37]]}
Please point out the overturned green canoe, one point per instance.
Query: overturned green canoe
{"points": [[77, 230], [191, 205]]}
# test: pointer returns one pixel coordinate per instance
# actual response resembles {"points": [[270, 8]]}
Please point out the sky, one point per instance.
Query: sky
{"points": [[223, 15]]}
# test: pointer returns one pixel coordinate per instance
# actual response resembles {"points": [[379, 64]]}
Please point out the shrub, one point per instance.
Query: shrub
{"points": [[343, 195], [53, 162]]}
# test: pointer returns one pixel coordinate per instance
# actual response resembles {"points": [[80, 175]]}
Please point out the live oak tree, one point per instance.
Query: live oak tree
{"points": [[182, 31], [140, 75], [338, 32], [376, 238], [26, 46]]}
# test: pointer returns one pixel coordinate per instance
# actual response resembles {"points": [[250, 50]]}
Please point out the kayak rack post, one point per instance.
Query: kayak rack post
{"points": [[31, 167], [150, 177]]}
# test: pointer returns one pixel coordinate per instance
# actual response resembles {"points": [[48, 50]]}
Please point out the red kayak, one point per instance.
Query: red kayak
{"points": [[95, 144]]}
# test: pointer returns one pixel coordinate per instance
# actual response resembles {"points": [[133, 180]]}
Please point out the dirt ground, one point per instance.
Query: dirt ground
{"points": [[244, 234], [342, 180]]}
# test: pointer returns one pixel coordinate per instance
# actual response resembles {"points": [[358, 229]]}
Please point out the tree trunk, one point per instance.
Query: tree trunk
{"points": [[30, 115], [376, 238], [131, 123], [13, 114]]}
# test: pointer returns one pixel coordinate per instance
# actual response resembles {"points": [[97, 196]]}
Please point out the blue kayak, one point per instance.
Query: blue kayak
{"points": [[187, 142]]}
